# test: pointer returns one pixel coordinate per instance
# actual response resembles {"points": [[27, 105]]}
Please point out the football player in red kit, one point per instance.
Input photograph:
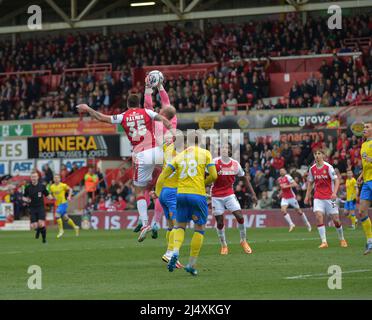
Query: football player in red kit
{"points": [[223, 197]]}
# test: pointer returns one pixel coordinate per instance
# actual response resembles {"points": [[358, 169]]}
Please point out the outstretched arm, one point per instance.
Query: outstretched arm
{"points": [[308, 192], [247, 179], [148, 99], [165, 174], [212, 174], [164, 96], [94, 114]]}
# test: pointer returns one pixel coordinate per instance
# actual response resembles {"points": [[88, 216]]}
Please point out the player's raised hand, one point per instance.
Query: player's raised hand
{"points": [[82, 107]]}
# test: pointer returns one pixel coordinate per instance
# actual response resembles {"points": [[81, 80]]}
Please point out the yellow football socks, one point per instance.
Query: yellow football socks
{"points": [[353, 219], [366, 224], [60, 224], [179, 237], [196, 243], [71, 223], [170, 239]]}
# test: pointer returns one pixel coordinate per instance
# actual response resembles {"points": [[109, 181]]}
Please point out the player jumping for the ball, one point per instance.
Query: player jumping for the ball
{"points": [[223, 197], [138, 124], [286, 183]]}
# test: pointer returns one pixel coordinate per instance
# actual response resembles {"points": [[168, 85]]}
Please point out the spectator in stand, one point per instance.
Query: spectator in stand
{"points": [[120, 204], [276, 199], [15, 197], [101, 179], [266, 202], [48, 174], [101, 206], [287, 155], [277, 163], [64, 172]]}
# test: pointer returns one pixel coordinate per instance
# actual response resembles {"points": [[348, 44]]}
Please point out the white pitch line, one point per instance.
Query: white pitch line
{"points": [[304, 276]]}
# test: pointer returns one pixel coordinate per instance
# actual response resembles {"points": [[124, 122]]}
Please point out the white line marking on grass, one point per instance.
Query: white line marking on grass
{"points": [[305, 276]]}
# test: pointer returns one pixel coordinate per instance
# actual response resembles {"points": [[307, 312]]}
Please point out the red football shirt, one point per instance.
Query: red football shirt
{"points": [[227, 172], [323, 178], [287, 193], [138, 125]]}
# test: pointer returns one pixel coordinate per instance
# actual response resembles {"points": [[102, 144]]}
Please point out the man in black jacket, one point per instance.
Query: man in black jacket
{"points": [[34, 196]]}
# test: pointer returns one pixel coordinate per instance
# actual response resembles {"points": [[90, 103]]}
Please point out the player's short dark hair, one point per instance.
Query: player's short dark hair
{"points": [[133, 101]]}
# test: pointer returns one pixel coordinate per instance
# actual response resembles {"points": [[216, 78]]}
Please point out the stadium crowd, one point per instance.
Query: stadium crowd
{"points": [[341, 82]]}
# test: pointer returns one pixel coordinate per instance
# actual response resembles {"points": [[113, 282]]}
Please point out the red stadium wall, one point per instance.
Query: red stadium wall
{"points": [[280, 87], [253, 219], [309, 64]]}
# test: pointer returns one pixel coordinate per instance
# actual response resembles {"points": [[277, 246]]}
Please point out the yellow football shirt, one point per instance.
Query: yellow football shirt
{"points": [[190, 166], [365, 152], [59, 192], [169, 154], [350, 189]]}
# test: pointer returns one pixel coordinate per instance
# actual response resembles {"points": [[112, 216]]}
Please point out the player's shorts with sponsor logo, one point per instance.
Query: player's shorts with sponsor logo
{"points": [[220, 204], [37, 213], [291, 202], [168, 201], [327, 206], [144, 165], [192, 207], [366, 192], [350, 205], [62, 209]]}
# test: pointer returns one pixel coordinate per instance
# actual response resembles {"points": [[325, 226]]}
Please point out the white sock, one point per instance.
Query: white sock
{"points": [[222, 236], [322, 233], [304, 218], [142, 210], [287, 217], [242, 230], [154, 224], [340, 233], [369, 240], [169, 253], [192, 261]]}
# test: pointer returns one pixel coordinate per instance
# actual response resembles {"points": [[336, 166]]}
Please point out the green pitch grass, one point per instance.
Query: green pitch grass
{"points": [[113, 265]]}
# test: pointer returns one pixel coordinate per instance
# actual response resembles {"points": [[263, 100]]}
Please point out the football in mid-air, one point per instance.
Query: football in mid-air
{"points": [[155, 78]]}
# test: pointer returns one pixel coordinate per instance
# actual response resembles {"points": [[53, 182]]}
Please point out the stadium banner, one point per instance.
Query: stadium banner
{"points": [[16, 130], [254, 121], [73, 127], [4, 168], [22, 167], [298, 136], [13, 150], [72, 147], [253, 219], [70, 162], [264, 136], [54, 165]]}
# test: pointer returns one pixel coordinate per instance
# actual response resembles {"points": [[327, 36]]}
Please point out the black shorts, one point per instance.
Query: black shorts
{"points": [[37, 213]]}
